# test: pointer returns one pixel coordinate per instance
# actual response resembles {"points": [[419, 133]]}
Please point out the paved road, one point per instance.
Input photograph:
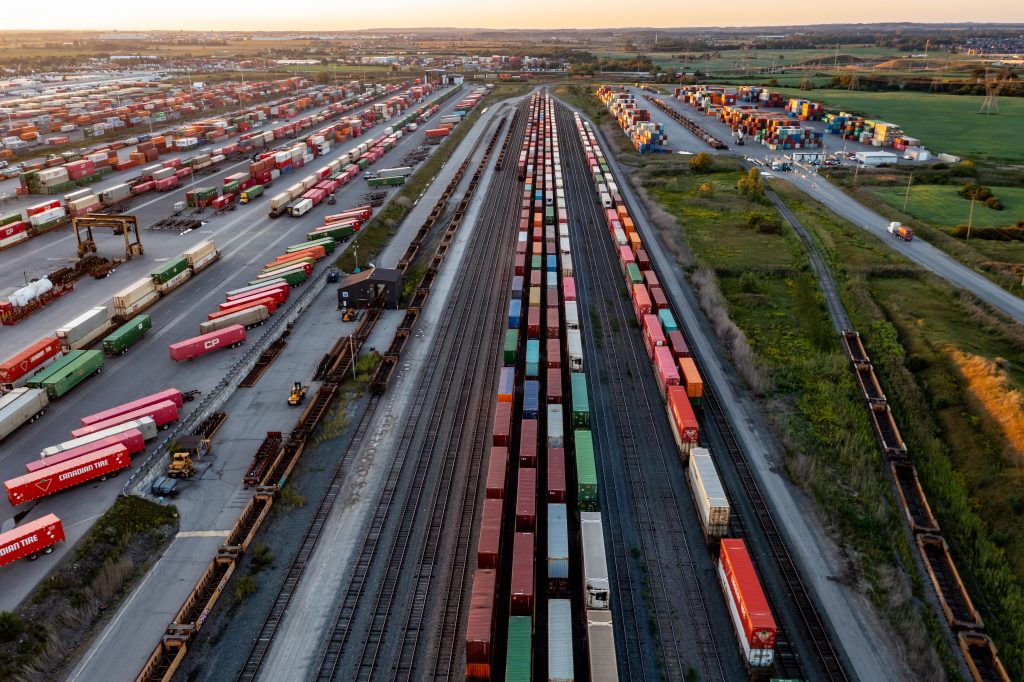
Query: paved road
{"points": [[247, 238], [818, 188], [847, 611]]}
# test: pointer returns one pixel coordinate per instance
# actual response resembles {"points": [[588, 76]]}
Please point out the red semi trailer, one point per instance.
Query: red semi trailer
{"points": [[100, 464], [132, 439], [163, 413], [28, 540], [23, 363], [229, 337], [172, 394]]}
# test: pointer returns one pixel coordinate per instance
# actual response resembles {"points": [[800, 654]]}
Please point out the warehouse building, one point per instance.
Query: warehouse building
{"points": [[360, 289], [875, 158]]}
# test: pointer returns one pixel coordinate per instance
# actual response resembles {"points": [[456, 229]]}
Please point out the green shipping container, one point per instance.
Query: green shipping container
{"points": [[519, 662], [327, 242], [294, 278], [127, 334], [580, 401], [363, 163], [386, 182], [169, 270], [633, 273], [511, 344], [12, 218], [74, 373], [341, 234], [586, 471], [251, 193], [535, 263], [57, 366], [549, 215], [230, 188]]}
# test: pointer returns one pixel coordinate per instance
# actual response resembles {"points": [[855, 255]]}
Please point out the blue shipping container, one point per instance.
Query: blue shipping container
{"points": [[532, 357], [552, 263], [517, 287], [531, 399], [668, 322], [558, 549], [515, 310]]}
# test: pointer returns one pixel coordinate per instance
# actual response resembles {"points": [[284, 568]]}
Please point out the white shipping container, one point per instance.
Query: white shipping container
{"points": [[200, 250], [138, 289], [58, 173], [279, 201], [14, 239], [128, 309], [48, 216], [20, 406], [163, 173], [174, 282], [83, 325], [575, 347], [556, 425], [250, 317], [595, 565], [563, 247], [302, 207], [146, 425], [567, 267], [601, 638], [708, 493], [115, 193], [84, 202], [78, 194], [560, 641]]}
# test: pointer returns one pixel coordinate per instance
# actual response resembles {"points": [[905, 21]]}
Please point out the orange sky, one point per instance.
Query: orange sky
{"points": [[327, 15]]}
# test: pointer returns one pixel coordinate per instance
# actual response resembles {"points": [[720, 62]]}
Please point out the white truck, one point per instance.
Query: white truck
{"points": [[400, 172], [20, 406]]}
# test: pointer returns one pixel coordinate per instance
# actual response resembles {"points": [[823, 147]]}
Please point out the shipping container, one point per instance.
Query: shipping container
{"points": [[678, 344], [751, 618], [526, 500], [146, 426], [560, 641], [519, 653], [556, 475], [20, 406], [71, 370], [502, 424], [601, 647], [131, 438], [666, 370], [574, 349], [162, 413], [532, 357], [100, 464], [558, 550], [555, 425], [84, 329], [708, 494], [586, 471], [528, 443], [497, 471], [595, 564], [118, 341], [521, 599], [580, 401], [506, 384], [511, 344], [207, 343], [685, 427], [172, 395], [480, 625], [31, 539], [489, 543]]}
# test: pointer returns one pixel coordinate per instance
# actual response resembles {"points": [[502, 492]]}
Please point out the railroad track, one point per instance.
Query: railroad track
{"points": [[457, 380], [670, 539]]}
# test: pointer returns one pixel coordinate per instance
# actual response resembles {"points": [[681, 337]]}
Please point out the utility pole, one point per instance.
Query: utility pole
{"points": [[970, 218], [906, 197]]}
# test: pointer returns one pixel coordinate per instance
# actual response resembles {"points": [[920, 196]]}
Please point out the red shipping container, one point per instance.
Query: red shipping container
{"points": [[20, 364], [651, 278], [40, 208], [553, 322], [665, 364], [641, 301], [172, 394], [163, 413], [12, 229], [132, 439], [207, 343], [535, 276], [747, 604], [685, 427], [268, 299], [658, 299], [552, 300], [480, 624], [554, 386], [520, 263], [502, 424], [526, 500], [54, 479], [556, 475], [167, 183], [554, 356], [533, 323], [143, 187], [678, 344], [528, 443], [244, 304], [653, 334], [569, 288], [489, 544], [268, 290], [31, 538], [643, 261], [625, 257], [521, 602], [497, 471], [314, 252]]}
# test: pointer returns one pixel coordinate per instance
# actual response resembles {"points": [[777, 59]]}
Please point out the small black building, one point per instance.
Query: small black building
{"points": [[360, 289]]}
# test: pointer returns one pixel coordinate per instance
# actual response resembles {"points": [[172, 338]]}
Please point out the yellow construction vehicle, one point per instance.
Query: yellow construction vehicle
{"points": [[181, 465], [297, 394]]}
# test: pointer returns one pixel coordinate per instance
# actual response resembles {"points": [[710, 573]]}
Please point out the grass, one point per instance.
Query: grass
{"points": [[89, 582], [915, 328], [768, 312], [944, 123], [941, 205]]}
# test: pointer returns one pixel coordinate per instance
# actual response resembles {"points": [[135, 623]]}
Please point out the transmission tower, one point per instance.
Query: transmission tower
{"points": [[992, 87]]}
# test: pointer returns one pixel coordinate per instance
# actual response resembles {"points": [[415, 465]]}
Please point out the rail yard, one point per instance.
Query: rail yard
{"points": [[423, 383]]}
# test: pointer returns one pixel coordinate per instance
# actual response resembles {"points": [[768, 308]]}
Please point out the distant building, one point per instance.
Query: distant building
{"points": [[875, 158]]}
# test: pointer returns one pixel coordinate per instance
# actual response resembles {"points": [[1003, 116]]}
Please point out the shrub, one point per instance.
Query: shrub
{"points": [[994, 204], [764, 223], [262, 557], [702, 163], [11, 626], [706, 190], [244, 586], [751, 185]]}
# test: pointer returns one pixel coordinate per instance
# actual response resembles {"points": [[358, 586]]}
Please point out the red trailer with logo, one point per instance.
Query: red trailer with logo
{"points": [[526, 500], [480, 625], [751, 618], [229, 337], [132, 439], [685, 428], [521, 601], [489, 545], [23, 363], [100, 464], [497, 470], [31, 539], [162, 413], [172, 394]]}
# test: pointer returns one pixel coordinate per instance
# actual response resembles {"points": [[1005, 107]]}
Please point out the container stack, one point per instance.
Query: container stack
{"points": [[772, 129], [646, 136], [804, 110]]}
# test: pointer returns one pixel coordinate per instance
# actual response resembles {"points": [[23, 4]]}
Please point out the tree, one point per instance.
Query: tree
{"points": [[702, 163], [751, 185], [806, 84]]}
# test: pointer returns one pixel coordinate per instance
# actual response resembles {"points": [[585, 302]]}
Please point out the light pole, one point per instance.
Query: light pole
{"points": [[970, 218], [355, 251], [906, 197]]}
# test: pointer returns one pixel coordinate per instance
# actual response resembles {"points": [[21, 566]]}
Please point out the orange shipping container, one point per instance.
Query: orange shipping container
{"points": [[691, 378]]}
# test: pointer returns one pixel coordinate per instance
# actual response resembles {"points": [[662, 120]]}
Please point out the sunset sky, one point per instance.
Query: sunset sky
{"points": [[324, 15]]}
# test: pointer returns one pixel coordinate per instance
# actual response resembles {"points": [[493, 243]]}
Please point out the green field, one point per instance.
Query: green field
{"points": [[941, 205], [944, 123]]}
